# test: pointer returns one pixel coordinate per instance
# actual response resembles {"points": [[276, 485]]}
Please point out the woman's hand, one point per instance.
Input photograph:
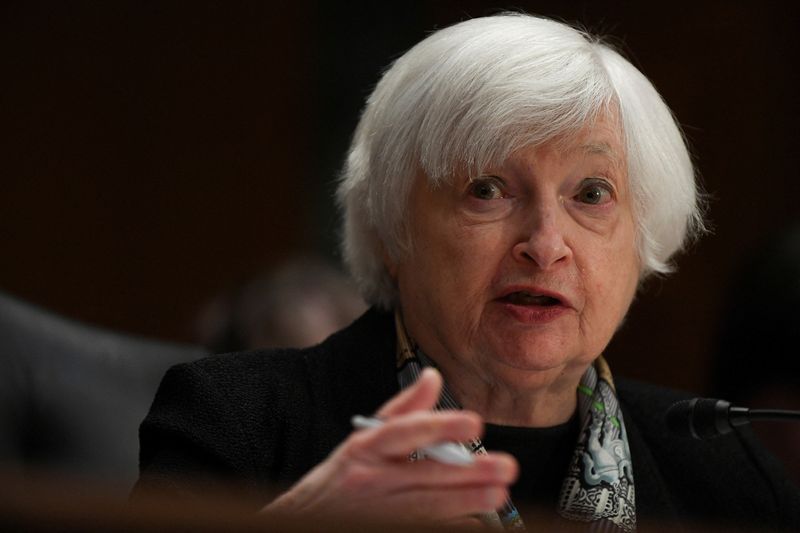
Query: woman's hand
{"points": [[369, 476]]}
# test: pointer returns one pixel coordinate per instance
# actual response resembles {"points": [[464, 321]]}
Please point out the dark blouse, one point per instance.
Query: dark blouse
{"points": [[543, 455]]}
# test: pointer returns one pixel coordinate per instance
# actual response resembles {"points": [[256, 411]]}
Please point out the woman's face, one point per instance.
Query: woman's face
{"points": [[522, 275]]}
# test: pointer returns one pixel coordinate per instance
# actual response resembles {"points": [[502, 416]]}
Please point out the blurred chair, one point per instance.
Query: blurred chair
{"points": [[72, 396]]}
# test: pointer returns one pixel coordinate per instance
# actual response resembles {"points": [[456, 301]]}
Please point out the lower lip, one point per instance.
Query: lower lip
{"points": [[534, 314]]}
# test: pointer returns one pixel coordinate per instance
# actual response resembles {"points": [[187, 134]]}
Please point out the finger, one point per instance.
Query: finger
{"points": [[387, 479], [401, 435], [495, 469], [421, 396]]}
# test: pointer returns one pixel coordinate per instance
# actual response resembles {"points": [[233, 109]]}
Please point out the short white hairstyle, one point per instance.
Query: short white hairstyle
{"points": [[468, 96]]}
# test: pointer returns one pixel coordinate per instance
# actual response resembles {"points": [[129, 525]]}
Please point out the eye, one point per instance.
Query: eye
{"points": [[594, 192], [486, 188]]}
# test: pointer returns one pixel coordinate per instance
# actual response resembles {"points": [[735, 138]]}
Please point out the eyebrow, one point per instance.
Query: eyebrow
{"points": [[603, 149], [598, 148]]}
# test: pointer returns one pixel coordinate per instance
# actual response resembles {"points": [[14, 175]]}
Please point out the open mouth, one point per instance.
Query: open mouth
{"points": [[527, 298]]}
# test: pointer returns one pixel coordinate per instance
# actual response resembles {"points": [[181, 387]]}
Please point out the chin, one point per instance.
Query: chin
{"points": [[535, 356]]}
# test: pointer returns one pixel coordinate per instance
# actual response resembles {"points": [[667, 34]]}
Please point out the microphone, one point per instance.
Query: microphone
{"points": [[705, 418]]}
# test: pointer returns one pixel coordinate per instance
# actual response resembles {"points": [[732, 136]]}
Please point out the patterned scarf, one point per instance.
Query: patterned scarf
{"points": [[598, 487]]}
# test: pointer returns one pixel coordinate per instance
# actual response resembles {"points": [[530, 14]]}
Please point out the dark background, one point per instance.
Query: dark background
{"points": [[154, 153]]}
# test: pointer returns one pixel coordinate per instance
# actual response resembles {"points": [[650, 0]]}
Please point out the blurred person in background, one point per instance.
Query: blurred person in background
{"points": [[297, 304], [757, 362]]}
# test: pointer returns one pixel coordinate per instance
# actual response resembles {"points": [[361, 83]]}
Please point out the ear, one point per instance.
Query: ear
{"points": [[389, 263]]}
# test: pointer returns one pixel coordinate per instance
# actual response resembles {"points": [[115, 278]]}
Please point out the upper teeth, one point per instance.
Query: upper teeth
{"points": [[528, 298]]}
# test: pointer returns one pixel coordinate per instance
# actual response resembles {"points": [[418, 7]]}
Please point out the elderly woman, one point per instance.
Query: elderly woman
{"points": [[510, 184]]}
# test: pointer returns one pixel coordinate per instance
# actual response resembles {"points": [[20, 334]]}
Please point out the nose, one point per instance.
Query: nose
{"points": [[543, 242]]}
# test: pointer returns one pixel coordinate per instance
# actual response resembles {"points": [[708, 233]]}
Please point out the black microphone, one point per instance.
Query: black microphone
{"points": [[705, 418]]}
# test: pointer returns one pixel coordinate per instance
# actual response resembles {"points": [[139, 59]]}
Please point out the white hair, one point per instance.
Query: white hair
{"points": [[469, 95]]}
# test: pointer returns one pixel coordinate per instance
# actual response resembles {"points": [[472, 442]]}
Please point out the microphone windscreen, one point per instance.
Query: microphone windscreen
{"points": [[710, 418], [679, 418], [701, 418]]}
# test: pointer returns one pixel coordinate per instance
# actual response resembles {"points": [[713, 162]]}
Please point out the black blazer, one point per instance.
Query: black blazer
{"points": [[267, 417]]}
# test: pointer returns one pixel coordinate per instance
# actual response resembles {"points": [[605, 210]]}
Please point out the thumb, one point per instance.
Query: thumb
{"points": [[421, 396]]}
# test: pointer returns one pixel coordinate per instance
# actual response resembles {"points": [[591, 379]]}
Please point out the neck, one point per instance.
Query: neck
{"points": [[540, 399]]}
